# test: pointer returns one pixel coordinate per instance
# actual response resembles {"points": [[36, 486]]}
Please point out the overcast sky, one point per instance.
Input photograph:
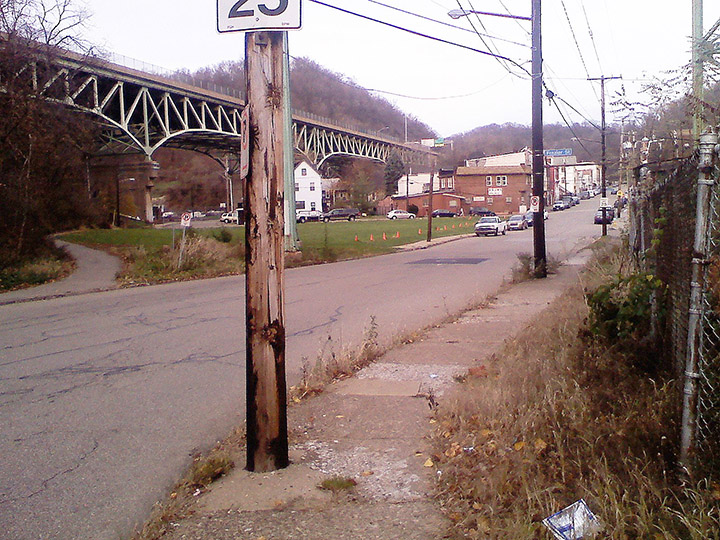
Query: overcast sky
{"points": [[637, 39]]}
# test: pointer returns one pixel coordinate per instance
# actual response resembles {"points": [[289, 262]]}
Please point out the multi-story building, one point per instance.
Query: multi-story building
{"points": [[308, 187], [500, 183]]}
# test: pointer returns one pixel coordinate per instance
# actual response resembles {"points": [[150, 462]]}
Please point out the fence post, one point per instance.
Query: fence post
{"points": [[708, 140]]}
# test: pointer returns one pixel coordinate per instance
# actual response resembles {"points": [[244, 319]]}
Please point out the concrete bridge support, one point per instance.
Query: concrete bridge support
{"points": [[125, 184]]}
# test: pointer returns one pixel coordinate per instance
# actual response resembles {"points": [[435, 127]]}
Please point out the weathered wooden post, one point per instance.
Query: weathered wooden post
{"points": [[267, 444]]}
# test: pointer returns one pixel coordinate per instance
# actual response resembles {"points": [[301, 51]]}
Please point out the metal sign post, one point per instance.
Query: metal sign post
{"points": [[184, 223]]}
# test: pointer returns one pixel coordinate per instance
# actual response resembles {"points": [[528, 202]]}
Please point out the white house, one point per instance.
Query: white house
{"points": [[308, 187], [417, 183]]}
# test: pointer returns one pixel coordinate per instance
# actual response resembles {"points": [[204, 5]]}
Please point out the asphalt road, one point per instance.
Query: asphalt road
{"points": [[104, 396]]}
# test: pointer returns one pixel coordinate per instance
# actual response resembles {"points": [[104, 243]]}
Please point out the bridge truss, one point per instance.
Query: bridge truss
{"points": [[141, 113]]}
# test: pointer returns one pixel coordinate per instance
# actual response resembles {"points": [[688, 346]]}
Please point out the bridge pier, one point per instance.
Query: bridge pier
{"points": [[125, 182]]}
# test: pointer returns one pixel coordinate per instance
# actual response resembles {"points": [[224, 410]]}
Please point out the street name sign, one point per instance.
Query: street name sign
{"points": [[251, 15], [558, 152]]}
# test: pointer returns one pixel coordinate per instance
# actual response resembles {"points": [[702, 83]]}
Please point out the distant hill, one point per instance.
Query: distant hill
{"points": [[320, 91], [505, 138]]}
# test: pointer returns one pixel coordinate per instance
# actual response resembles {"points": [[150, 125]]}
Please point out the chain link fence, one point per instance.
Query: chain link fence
{"points": [[708, 404], [663, 214]]}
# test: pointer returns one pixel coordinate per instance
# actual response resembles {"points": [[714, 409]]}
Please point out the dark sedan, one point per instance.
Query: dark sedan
{"points": [[443, 213], [609, 216]]}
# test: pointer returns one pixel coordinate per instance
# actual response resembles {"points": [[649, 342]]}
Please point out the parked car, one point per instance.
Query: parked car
{"points": [[570, 200], [490, 225], [481, 211], [560, 205], [530, 217], [301, 216], [349, 214], [613, 190], [443, 213], [517, 223], [400, 214], [230, 217], [584, 194], [609, 215]]}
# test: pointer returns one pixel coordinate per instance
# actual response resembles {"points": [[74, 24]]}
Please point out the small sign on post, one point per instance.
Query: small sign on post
{"points": [[534, 203], [244, 142], [185, 220]]}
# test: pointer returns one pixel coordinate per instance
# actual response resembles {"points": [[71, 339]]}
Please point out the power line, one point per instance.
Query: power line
{"points": [[420, 34], [450, 25], [592, 37], [569, 126], [577, 46], [478, 33], [579, 113], [420, 98], [440, 97], [516, 21]]}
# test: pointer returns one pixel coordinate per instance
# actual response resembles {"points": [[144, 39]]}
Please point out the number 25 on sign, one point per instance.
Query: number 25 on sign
{"points": [[249, 15]]}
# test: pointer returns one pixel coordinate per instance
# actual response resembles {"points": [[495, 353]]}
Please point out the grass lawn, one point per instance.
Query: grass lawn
{"points": [[150, 256], [338, 236]]}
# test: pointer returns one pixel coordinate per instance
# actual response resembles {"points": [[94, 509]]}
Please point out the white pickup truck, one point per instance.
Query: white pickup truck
{"points": [[490, 225]]}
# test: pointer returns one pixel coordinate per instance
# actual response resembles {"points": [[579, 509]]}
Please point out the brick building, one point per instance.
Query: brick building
{"points": [[504, 189]]}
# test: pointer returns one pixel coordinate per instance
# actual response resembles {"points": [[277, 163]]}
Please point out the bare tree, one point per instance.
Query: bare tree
{"points": [[42, 144]]}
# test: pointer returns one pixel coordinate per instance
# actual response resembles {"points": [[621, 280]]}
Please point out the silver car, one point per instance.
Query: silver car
{"points": [[400, 214]]}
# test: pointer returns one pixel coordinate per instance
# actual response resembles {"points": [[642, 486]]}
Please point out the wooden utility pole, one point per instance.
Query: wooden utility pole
{"points": [[538, 158], [603, 159], [267, 443], [430, 205]]}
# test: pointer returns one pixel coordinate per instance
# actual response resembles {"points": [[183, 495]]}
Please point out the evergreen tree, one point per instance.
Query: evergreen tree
{"points": [[394, 170]]}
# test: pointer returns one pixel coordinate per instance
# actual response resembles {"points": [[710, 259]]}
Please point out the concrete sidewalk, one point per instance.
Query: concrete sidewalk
{"points": [[96, 271], [372, 428]]}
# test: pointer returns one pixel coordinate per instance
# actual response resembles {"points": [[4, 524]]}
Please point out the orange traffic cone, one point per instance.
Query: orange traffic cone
{"points": [[444, 227], [397, 234], [453, 226], [371, 238], [384, 236], [356, 238], [419, 231]]}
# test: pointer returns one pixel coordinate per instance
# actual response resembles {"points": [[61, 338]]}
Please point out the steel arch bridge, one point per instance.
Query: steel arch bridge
{"points": [[142, 112]]}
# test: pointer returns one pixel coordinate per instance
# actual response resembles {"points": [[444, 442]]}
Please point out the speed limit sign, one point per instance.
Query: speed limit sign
{"points": [[243, 15]]}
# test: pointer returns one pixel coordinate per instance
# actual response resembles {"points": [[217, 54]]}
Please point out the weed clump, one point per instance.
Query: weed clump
{"points": [[47, 264], [525, 269], [205, 471], [337, 484], [202, 257]]}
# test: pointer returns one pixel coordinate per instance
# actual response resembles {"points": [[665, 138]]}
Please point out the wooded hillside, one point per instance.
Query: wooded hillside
{"points": [[322, 92]]}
